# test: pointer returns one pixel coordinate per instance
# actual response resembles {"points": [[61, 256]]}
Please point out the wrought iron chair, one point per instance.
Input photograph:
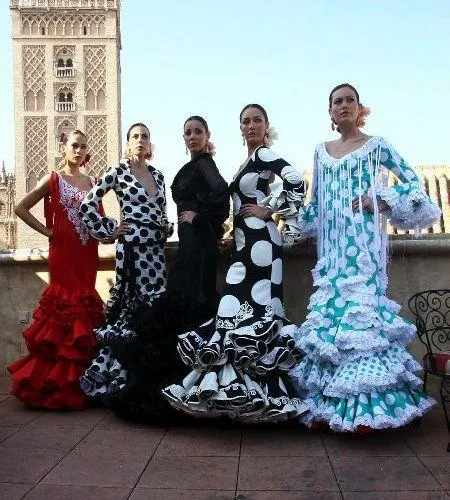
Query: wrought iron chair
{"points": [[432, 312]]}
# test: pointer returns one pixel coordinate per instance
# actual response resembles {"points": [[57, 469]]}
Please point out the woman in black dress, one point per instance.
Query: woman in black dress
{"points": [[239, 360], [151, 360]]}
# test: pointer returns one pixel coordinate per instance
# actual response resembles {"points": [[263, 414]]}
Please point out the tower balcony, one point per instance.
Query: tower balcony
{"points": [[65, 106], [62, 72]]}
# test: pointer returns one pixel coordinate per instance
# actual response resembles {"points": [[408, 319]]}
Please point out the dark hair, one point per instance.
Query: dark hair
{"points": [[73, 132], [257, 106], [199, 119], [136, 125], [342, 86]]}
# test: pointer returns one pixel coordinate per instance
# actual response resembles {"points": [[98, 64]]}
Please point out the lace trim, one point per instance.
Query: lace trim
{"points": [[71, 199], [361, 152]]}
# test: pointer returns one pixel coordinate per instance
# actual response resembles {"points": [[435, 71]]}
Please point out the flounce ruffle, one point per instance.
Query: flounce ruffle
{"points": [[240, 373], [60, 344], [356, 370], [130, 371]]}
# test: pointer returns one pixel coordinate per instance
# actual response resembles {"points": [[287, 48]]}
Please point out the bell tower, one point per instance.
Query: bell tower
{"points": [[66, 67]]}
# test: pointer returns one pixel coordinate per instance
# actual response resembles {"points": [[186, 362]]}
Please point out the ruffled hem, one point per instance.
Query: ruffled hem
{"points": [[131, 371], [379, 371], [228, 391], [392, 408], [260, 348], [46, 384], [413, 210], [64, 324]]}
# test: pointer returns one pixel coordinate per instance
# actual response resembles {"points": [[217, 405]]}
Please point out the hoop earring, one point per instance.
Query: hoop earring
{"points": [[333, 126], [243, 141], [63, 154], [187, 151]]}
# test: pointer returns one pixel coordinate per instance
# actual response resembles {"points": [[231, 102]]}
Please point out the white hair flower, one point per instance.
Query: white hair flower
{"points": [[270, 137]]}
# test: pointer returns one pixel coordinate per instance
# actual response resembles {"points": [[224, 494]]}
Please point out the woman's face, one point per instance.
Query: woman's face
{"points": [[344, 106], [75, 149], [253, 126], [195, 136], [139, 141]]}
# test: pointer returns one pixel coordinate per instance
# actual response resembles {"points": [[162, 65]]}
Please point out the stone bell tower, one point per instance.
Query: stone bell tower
{"points": [[66, 67]]}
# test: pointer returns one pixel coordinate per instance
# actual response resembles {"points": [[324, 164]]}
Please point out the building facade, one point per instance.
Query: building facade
{"points": [[66, 70], [8, 236]]}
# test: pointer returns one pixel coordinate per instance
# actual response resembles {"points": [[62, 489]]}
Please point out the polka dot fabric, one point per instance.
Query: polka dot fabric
{"points": [[357, 370], [240, 359], [140, 269]]}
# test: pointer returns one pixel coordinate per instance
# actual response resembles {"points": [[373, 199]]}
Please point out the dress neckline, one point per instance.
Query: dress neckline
{"points": [[355, 151], [72, 186]]}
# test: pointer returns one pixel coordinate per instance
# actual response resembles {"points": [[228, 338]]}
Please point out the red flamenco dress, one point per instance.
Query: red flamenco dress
{"points": [[61, 342]]}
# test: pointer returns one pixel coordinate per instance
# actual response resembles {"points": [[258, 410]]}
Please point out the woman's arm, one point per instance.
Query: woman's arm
{"points": [[23, 208]]}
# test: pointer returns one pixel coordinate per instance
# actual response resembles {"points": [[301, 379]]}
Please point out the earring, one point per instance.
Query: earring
{"points": [[243, 141], [63, 154], [333, 127], [187, 151]]}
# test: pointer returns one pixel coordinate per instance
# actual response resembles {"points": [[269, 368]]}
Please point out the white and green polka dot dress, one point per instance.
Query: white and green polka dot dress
{"points": [[357, 370]]}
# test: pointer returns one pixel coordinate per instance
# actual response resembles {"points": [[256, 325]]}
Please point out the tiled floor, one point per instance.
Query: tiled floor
{"points": [[93, 455]]}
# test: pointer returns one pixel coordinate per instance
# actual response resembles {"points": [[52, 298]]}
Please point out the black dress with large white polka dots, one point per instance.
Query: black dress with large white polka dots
{"points": [[240, 359], [140, 272]]}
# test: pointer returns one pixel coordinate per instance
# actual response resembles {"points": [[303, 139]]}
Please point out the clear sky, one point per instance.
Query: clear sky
{"points": [[213, 57]]}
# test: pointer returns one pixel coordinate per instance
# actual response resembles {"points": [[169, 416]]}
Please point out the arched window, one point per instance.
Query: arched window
{"points": [[69, 63], [69, 97], [42, 31], [60, 63], [61, 97], [84, 30]]}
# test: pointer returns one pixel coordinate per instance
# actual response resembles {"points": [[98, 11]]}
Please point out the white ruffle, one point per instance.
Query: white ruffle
{"points": [[413, 210], [283, 202]]}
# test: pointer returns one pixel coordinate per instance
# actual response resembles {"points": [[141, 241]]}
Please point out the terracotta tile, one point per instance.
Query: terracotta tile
{"points": [[212, 473], [5, 385], [30, 438], [111, 421], [148, 494], [197, 442], [20, 466], [288, 495], [427, 440], [395, 495], [377, 444], [14, 413], [86, 419], [94, 468], [5, 432], [281, 443], [440, 468], [11, 491], [284, 473], [60, 492], [121, 442], [382, 474]]}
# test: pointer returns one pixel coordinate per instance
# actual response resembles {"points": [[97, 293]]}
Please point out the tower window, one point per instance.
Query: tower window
{"points": [[42, 31], [84, 30]]}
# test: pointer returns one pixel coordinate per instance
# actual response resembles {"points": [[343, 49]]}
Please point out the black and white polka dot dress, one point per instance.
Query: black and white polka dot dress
{"points": [[240, 359], [140, 271]]}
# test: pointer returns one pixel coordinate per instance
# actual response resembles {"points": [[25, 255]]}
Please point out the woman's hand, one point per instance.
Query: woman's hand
{"points": [[366, 203], [187, 216], [250, 210], [121, 229]]}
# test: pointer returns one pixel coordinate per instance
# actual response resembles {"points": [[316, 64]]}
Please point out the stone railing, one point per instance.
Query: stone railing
{"points": [[64, 4], [65, 106], [61, 72], [416, 264]]}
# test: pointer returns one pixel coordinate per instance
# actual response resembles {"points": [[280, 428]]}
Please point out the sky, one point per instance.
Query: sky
{"points": [[213, 57]]}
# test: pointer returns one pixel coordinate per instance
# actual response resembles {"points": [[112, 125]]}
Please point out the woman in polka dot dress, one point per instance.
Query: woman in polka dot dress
{"points": [[357, 371], [239, 360], [140, 260]]}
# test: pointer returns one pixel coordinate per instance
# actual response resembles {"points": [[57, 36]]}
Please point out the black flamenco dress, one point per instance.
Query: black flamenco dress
{"points": [[148, 362]]}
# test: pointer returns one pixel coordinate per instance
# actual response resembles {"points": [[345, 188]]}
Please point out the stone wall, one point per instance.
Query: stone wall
{"points": [[416, 265]]}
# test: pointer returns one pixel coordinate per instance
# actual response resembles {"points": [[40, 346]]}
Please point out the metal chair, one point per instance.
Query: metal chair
{"points": [[431, 309]]}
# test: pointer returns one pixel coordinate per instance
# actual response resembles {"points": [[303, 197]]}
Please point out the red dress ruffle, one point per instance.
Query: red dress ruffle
{"points": [[60, 341]]}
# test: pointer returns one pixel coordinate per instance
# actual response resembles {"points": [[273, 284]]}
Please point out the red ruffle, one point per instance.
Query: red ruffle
{"points": [[61, 344]]}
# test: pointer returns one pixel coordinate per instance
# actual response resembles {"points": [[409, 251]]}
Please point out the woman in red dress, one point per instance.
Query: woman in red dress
{"points": [[60, 341]]}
